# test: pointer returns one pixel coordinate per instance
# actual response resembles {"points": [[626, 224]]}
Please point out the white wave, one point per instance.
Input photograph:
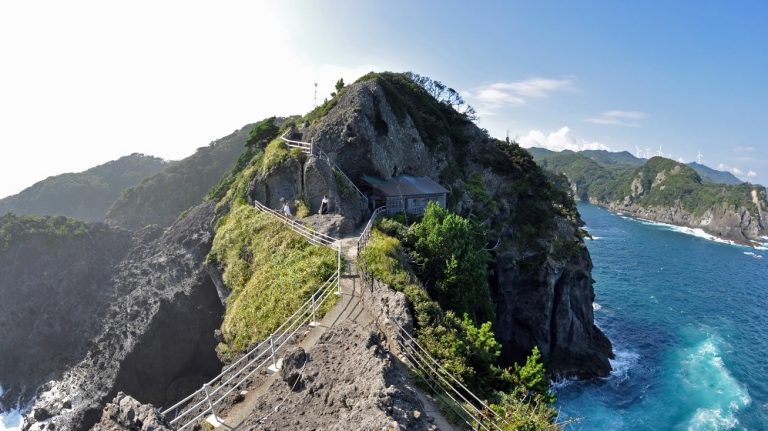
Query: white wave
{"points": [[10, 420], [697, 232], [755, 255], [622, 363], [561, 383], [595, 238], [714, 388], [596, 306]]}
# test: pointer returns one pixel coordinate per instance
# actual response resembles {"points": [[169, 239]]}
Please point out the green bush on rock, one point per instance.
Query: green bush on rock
{"points": [[270, 270]]}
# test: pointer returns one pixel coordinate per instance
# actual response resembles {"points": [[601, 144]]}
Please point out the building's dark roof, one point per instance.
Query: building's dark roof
{"points": [[405, 185]]}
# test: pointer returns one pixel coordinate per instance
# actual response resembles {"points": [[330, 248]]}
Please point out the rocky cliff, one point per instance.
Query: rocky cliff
{"points": [[667, 191], [156, 340], [385, 126], [55, 285]]}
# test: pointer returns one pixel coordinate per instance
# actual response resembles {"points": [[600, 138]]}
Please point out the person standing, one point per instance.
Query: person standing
{"points": [[324, 205], [287, 210]]}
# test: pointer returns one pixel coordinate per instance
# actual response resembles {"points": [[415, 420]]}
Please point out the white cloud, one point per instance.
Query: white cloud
{"points": [[680, 159], [618, 118], [558, 140], [740, 149], [751, 174], [489, 98], [734, 170]]}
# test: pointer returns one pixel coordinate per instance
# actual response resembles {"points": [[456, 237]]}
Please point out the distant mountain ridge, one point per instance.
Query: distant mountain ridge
{"points": [[625, 158], [665, 191], [84, 195], [160, 199]]}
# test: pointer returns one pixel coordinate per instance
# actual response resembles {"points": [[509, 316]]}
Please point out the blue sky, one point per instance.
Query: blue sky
{"points": [[162, 79]]}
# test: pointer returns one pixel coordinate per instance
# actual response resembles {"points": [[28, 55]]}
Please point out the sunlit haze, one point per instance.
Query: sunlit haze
{"points": [[82, 83]]}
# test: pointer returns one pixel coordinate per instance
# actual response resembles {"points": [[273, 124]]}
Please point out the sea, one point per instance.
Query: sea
{"points": [[688, 318]]}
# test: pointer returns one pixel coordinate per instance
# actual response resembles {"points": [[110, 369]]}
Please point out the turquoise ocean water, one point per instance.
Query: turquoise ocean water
{"points": [[688, 318]]}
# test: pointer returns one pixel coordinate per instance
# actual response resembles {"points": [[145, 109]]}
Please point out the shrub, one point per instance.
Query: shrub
{"points": [[450, 258], [302, 206], [270, 270]]}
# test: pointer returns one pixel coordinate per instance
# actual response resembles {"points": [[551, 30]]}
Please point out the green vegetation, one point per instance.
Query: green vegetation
{"points": [[161, 198], [451, 260], [521, 396], [302, 206], [270, 270], [664, 182], [468, 351], [431, 117], [86, 195], [274, 154], [15, 228], [263, 132]]}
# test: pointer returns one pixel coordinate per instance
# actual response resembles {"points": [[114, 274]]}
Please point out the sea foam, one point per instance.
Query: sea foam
{"points": [[717, 395], [10, 420], [697, 232]]}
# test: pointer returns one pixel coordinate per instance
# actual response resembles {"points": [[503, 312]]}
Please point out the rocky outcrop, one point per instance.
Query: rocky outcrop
{"points": [[124, 413], [365, 134], [54, 293], [157, 337], [724, 221], [551, 308], [346, 382], [723, 213], [310, 178]]}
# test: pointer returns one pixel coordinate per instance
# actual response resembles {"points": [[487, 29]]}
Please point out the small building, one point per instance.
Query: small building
{"points": [[405, 193]]}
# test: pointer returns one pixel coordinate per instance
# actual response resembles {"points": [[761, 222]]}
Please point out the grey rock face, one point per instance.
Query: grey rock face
{"points": [[548, 304], [53, 295], [724, 221], [348, 383], [124, 413], [157, 340]]}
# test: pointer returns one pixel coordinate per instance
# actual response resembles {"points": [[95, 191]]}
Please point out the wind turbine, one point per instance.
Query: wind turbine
{"points": [[698, 157]]}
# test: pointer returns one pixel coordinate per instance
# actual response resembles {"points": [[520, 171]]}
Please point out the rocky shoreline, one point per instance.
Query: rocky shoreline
{"points": [[728, 224]]}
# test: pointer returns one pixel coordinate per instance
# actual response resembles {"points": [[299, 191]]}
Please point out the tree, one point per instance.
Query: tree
{"points": [[532, 378], [444, 94], [339, 85], [451, 260]]}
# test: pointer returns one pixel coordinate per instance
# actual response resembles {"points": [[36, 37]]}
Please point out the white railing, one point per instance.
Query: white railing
{"points": [[309, 148], [192, 409], [305, 147], [365, 235], [465, 404], [313, 236]]}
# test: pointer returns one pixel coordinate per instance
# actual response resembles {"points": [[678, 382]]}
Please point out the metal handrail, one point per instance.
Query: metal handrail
{"points": [[273, 345], [322, 155], [309, 148], [311, 235], [365, 235], [306, 147], [421, 359]]}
